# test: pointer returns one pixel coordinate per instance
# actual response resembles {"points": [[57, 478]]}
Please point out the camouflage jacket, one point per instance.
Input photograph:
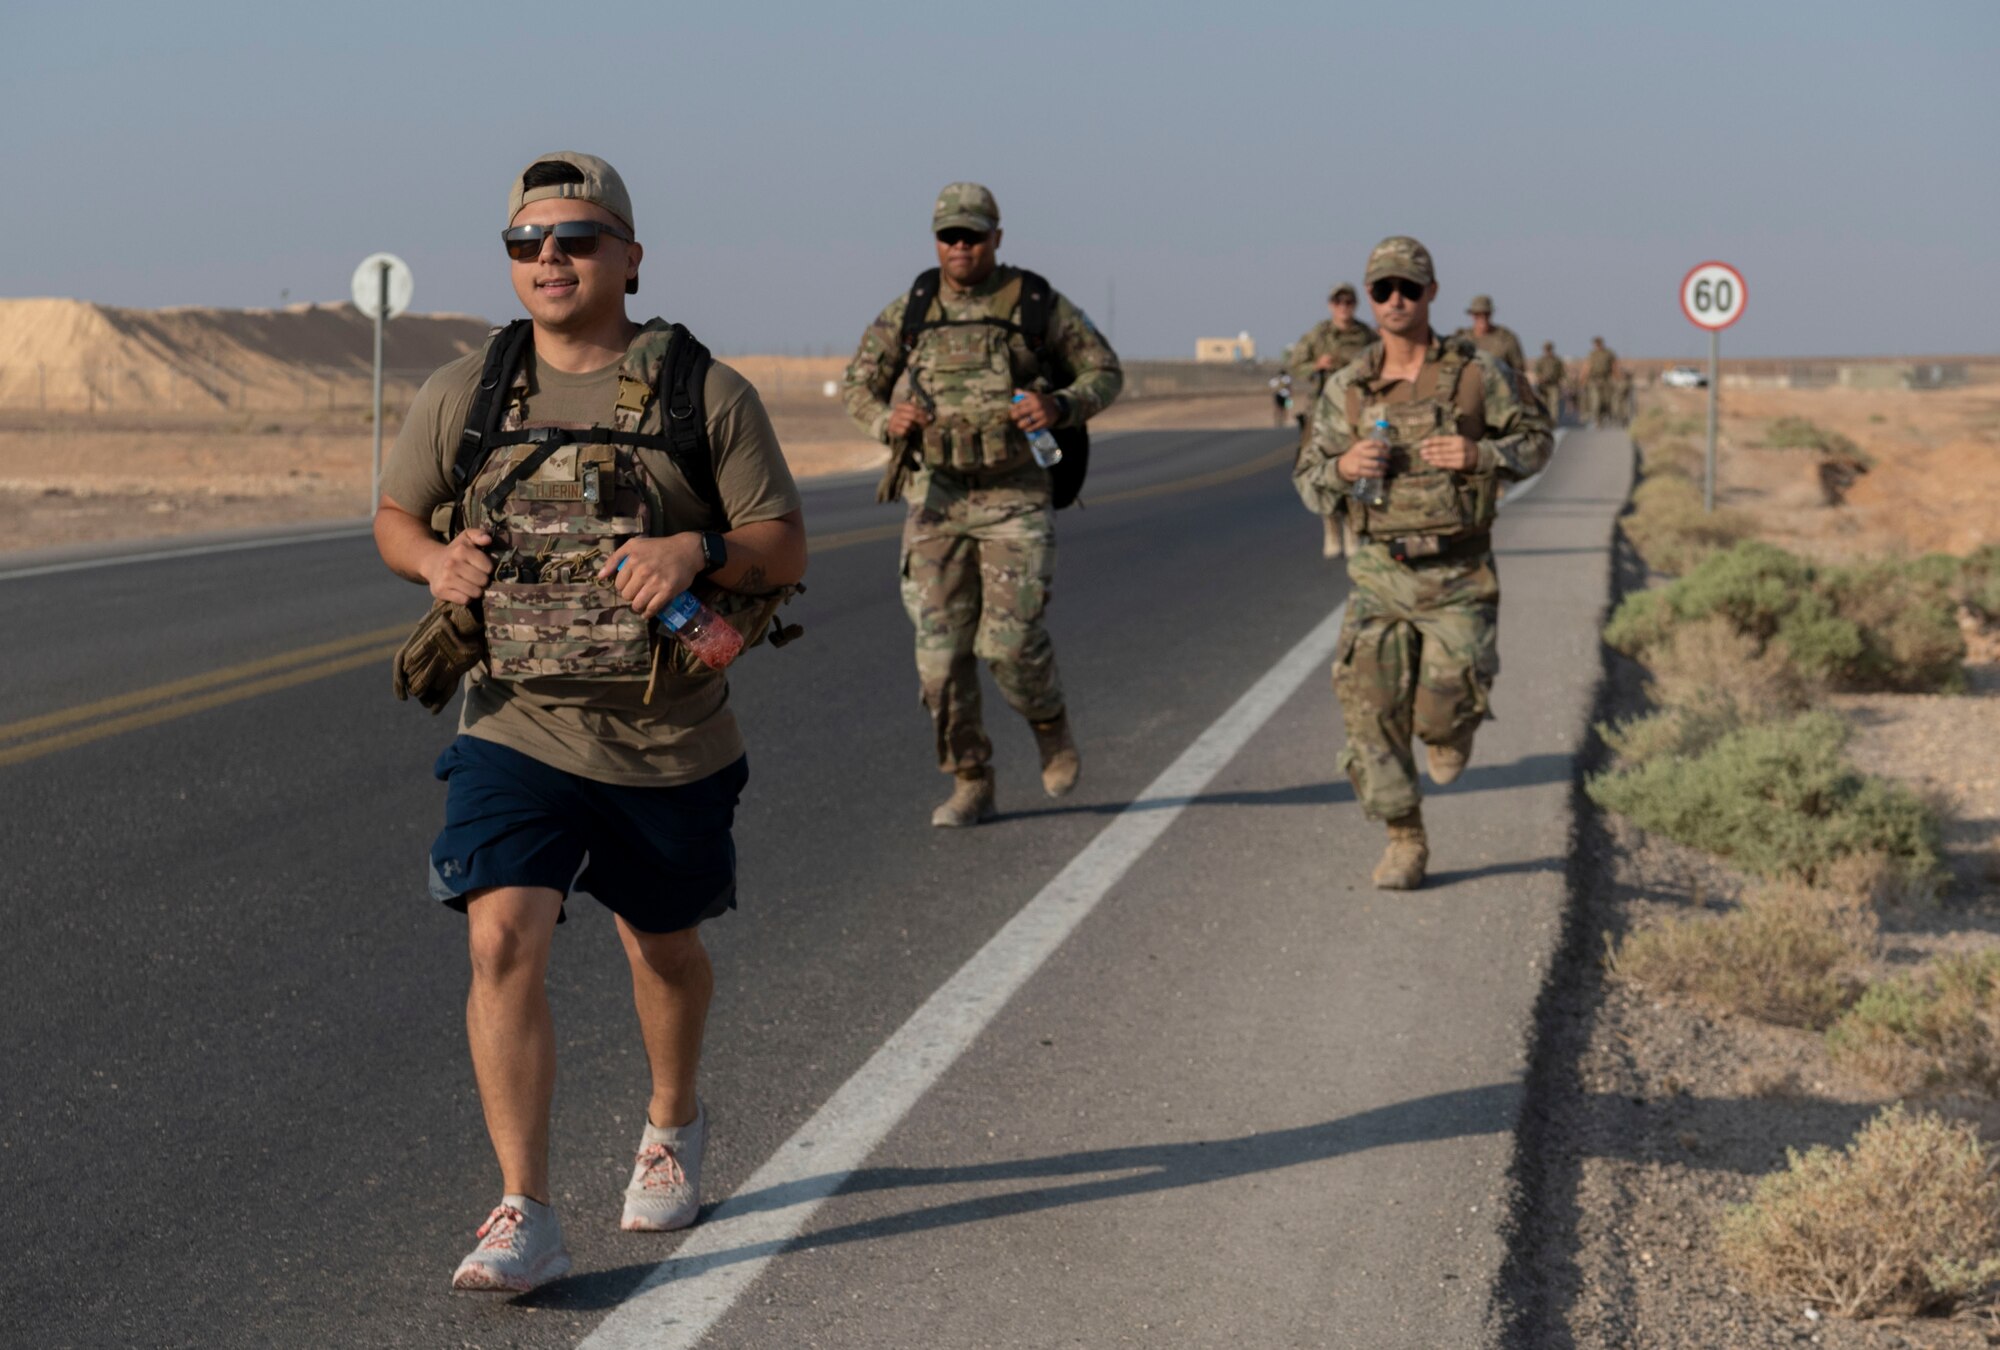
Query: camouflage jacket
{"points": [[1515, 440], [1550, 370], [1073, 344], [1501, 345], [1602, 362], [1323, 339]]}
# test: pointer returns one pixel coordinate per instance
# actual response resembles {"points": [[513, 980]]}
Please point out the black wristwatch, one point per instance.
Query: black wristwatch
{"points": [[714, 551]]}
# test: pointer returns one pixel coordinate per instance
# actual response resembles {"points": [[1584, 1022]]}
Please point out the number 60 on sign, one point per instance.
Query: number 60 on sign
{"points": [[1712, 295]]}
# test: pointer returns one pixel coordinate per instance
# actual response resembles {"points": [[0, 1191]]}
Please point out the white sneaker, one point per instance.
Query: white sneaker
{"points": [[665, 1192], [520, 1247]]}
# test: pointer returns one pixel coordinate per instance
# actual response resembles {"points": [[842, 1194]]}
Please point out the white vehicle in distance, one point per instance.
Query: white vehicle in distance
{"points": [[1685, 377]]}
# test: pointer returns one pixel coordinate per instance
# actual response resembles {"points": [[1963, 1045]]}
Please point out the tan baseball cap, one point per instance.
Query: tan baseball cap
{"points": [[601, 185], [965, 206], [1481, 304], [1400, 256], [1343, 292]]}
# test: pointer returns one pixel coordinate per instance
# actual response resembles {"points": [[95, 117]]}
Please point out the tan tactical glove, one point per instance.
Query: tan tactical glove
{"points": [[446, 643]]}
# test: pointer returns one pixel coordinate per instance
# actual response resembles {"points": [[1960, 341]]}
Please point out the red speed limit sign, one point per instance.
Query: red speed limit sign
{"points": [[1712, 295]]}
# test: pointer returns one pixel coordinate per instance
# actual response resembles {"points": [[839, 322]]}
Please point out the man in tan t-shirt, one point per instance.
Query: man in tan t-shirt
{"points": [[636, 771]]}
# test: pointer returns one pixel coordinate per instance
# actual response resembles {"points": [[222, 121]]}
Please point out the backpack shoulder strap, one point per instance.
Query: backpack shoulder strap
{"points": [[1038, 307], [684, 417], [504, 352], [917, 307]]}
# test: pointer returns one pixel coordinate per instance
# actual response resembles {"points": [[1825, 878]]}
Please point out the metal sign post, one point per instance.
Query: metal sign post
{"points": [[382, 287], [1712, 297]]}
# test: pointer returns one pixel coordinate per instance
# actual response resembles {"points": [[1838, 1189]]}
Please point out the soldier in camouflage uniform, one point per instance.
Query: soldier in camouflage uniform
{"points": [[593, 753], [1311, 361], [1418, 650], [1550, 374], [978, 555], [1600, 389], [1496, 340]]}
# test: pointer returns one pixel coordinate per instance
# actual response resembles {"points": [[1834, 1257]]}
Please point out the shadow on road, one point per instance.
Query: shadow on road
{"points": [[1531, 770], [1142, 1169]]}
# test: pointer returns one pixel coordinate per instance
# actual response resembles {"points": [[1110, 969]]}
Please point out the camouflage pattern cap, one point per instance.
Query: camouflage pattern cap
{"points": [[601, 185], [965, 206], [1342, 292], [1400, 256], [1481, 304], [1549, 347]]}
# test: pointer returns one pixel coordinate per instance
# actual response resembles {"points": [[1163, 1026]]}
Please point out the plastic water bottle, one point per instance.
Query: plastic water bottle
{"points": [[1369, 491], [704, 632], [1042, 445]]}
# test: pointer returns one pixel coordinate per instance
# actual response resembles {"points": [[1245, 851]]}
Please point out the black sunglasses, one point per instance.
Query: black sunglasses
{"points": [[576, 238], [1380, 291], [953, 237]]}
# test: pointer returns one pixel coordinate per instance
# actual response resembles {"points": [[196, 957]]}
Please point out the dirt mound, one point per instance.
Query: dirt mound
{"points": [[62, 354]]}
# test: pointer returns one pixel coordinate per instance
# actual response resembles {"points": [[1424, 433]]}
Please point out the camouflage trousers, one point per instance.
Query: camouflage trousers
{"points": [[1418, 653], [977, 566]]}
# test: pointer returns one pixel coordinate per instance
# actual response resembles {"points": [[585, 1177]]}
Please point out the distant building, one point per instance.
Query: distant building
{"points": [[1242, 347]]}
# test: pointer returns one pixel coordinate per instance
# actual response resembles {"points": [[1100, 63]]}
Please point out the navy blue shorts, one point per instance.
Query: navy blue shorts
{"points": [[658, 857]]}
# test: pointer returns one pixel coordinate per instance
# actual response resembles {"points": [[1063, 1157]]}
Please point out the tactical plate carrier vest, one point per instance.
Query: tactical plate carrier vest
{"points": [[558, 501], [1421, 500], [964, 371]]}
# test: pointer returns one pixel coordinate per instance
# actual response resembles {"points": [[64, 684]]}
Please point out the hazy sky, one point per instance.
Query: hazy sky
{"points": [[1219, 165]]}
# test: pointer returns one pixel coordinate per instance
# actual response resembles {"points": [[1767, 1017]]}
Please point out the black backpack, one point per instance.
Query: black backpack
{"points": [[1037, 307]]}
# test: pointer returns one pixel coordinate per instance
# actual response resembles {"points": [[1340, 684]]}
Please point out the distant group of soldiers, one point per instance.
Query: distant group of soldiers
{"points": [[1601, 394]]}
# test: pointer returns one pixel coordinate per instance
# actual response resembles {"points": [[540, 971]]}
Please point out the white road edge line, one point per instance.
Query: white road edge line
{"points": [[687, 1294], [681, 1299]]}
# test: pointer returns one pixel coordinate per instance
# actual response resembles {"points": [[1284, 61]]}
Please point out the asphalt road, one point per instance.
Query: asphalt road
{"points": [[1249, 1101]]}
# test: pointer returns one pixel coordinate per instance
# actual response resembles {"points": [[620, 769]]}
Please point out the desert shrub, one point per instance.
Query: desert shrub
{"points": [[1882, 625], [1709, 680], [1778, 799], [1708, 664], [1764, 592], [1671, 530], [1655, 422], [1938, 1031], [1905, 1219], [1797, 433], [1906, 612], [1978, 586], [1668, 732], [1789, 954], [1672, 458]]}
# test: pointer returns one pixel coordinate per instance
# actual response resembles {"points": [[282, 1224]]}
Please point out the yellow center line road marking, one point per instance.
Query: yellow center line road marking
{"points": [[34, 737], [159, 693], [201, 703]]}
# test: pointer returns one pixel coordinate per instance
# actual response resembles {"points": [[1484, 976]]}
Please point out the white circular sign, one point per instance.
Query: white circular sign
{"points": [[368, 285], [1712, 295]]}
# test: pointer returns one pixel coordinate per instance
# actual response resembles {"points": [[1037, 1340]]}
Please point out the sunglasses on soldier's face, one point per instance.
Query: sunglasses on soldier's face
{"points": [[576, 238], [954, 237], [1380, 291]]}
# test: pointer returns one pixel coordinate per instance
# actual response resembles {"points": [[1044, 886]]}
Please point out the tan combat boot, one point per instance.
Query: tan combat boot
{"points": [[1060, 762], [1448, 761], [1403, 862], [971, 801]]}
